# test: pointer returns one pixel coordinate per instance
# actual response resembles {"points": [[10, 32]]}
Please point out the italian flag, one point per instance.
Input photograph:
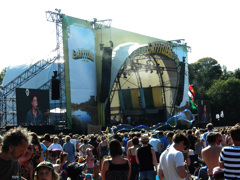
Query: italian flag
{"points": [[191, 95]]}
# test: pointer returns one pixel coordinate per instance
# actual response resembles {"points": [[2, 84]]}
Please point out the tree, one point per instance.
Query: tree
{"points": [[2, 74], [237, 73], [202, 74], [224, 95]]}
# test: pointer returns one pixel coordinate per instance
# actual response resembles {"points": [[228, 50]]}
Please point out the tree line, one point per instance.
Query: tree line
{"points": [[221, 87]]}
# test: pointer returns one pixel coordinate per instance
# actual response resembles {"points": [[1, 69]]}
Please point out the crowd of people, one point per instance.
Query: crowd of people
{"points": [[211, 153]]}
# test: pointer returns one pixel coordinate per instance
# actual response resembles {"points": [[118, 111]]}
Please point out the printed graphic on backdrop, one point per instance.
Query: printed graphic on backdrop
{"points": [[32, 106], [82, 73]]}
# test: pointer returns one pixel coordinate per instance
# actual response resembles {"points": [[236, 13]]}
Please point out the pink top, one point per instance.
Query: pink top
{"points": [[90, 164]]}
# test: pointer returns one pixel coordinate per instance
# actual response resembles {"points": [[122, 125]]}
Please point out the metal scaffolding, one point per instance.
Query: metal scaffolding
{"points": [[8, 100]]}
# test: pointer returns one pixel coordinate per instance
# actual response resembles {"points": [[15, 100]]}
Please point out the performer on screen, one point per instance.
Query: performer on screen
{"points": [[205, 116], [34, 115]]}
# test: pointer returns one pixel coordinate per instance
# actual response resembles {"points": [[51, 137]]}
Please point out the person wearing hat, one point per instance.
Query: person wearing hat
{"points": [[146, 158], [45, 171]]}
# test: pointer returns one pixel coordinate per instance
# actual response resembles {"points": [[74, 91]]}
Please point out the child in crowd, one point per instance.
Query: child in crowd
{"points": [[62, 161], [45, 171], [90, 160]]}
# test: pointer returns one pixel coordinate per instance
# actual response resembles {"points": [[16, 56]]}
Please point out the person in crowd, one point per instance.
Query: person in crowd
{"points": [[103, 147], [218, 173], [131, 155], [125, 140], [37, 155], [46, 142], [90, 160], [55, 149], [55, 144], [156, 144], [192, 139], [230, 155], [116, 167], [61, 140], [198, 145], [26, 163], [171, 163], [209, 127], [93, 142], [45, 171], [15, 144], [163, 140], [62, 162], [169, 138], [34, 115], [74, 140], [210, 154], [129, 143], [69, 148], [146, 158], [84, 146], [219, 139]]}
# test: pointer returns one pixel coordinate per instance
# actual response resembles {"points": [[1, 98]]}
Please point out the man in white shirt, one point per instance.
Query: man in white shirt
{"points": [[156, 144], [171, 163]]}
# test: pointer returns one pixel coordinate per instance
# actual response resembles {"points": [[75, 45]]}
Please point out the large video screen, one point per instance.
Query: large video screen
{"points": [[32, 106], [204, 111]]}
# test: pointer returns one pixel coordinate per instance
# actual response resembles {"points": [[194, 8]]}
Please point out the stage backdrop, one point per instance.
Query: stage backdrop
{"points": [[80, 72], [23, 100]]}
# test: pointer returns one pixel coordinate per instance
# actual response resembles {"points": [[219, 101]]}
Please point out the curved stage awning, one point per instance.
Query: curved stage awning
{"points": [[144, 80]]}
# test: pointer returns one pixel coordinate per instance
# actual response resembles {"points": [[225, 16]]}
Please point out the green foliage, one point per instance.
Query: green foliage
{"points": [[225, 95], [202, 75], [237, 73], [2, 74]]}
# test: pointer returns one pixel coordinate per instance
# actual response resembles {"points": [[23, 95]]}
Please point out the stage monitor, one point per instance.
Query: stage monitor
{"points": [[32, 106]]}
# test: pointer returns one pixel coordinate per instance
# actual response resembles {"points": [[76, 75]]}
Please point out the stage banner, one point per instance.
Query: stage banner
{"points": [[157, 96], [80, 72], [127, 99], [148, 96], [135, 95]]}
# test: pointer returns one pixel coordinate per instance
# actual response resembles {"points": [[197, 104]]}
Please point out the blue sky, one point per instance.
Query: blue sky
{"points": [[211, 28]]}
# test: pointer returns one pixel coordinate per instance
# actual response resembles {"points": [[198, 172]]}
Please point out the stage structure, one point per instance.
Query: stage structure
{"points": [[36, 75], [106, 75]]}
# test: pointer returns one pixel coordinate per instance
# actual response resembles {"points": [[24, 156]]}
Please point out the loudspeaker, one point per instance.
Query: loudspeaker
{"points": [[55, 93], [181, 84], [106, 73]]}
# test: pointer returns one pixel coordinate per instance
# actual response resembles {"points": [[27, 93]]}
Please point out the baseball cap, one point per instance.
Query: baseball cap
{"points": [[44, 164]]}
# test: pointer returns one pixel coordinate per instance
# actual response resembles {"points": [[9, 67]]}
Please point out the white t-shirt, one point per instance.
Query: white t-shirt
{"points": [[169, 160], [154, 142], [55, 146]]}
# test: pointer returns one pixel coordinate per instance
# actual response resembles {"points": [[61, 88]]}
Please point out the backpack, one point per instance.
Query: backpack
{"points": [[74, 170]]}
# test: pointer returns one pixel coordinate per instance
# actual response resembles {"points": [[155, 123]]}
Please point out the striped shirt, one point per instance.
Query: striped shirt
{"points": [[230, 156]]}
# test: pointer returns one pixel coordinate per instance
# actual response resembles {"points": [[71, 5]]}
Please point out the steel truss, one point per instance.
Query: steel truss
{"points": [[153, 65], [8, 105]]}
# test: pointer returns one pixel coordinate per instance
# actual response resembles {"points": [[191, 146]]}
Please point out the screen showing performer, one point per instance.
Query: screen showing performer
{"points": [[204, 111], [34, 115], [32, 106]]}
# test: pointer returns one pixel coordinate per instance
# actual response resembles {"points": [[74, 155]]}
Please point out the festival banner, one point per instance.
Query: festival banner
{"points": [[80, 71]]}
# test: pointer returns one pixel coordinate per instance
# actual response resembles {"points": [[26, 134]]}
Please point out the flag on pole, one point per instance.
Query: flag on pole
{"points": [[191, 95]]}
